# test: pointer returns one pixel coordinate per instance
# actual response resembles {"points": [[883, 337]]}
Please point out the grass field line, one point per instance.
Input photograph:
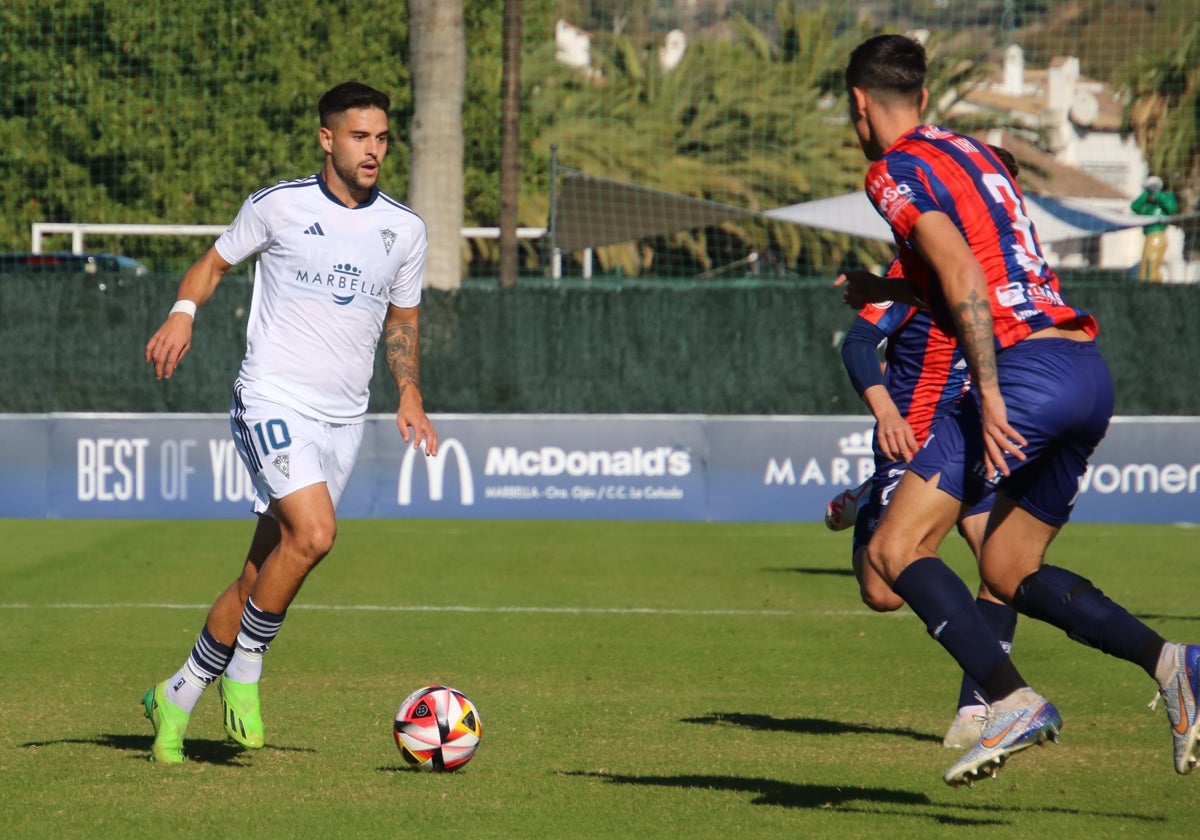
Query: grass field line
{"points": [[449, 608]]}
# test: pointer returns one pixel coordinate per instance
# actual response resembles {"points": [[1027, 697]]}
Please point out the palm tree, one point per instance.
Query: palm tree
{"points": [[1164, 112], [739, 121], [510, 138], [438, 58]]}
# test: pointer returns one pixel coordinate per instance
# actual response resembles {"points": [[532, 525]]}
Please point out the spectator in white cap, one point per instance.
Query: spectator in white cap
{"points": [[1154, 201]]}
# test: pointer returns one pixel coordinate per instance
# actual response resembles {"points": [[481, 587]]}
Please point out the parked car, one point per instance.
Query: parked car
{"points": [[65, 262], [109, 268]]}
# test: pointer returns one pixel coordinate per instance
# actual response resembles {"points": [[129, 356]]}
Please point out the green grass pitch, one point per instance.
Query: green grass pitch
{"points": [[633, 680]]}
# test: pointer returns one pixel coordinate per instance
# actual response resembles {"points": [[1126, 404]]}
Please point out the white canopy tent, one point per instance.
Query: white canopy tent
{"points": [[591, 211], [1054, 219]]}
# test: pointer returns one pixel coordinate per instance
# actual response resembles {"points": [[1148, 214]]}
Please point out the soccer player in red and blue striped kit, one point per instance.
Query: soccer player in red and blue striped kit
{"points": [[923, 379], [1040, 402], [925, 375]]}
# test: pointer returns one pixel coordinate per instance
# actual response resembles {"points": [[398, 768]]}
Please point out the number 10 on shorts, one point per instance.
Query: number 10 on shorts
{"points": [[272, 435]]}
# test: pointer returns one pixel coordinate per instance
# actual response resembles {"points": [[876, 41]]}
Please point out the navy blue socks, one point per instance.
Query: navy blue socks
{"points": [[943, 602], [1003, 621], [1072, 604]]}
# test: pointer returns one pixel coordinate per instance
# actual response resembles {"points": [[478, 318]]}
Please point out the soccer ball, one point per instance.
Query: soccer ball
{"points": [[437, 729]]}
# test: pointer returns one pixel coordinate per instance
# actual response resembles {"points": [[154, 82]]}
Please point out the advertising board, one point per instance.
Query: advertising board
{"points": [[647, 467]]}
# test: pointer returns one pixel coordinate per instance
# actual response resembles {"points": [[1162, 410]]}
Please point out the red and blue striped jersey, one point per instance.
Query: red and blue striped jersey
{"points": [[926, 372], [934, 169]]}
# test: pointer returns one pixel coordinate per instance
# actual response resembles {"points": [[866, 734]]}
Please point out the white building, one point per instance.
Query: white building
{"points": [[1066, 132]]}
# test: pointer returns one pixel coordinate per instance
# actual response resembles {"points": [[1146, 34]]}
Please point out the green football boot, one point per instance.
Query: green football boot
{"points": [[243, 714], [169, 722]]}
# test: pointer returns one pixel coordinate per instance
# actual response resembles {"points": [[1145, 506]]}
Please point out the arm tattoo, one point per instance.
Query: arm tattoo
{"points": [[403, 353], [976, 336]]}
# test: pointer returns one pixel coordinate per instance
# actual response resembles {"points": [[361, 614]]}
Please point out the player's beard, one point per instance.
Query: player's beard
{"points": [[353, 177]]}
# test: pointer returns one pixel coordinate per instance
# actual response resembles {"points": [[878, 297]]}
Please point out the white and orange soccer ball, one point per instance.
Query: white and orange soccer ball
{"points": [[437, 729]]}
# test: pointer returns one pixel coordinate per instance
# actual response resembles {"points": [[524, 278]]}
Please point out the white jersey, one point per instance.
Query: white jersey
{"points": [[325, 276]]}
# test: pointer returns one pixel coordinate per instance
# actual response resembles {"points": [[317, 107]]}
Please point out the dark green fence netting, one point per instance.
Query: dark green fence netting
{"points": [[66, 344]]}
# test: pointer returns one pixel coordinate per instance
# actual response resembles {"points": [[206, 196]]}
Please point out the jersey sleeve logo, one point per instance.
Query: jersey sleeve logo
{"points": [[891, 198]]}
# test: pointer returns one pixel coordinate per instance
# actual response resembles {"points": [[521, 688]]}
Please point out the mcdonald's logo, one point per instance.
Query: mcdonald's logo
{"points": [[435, 468]]}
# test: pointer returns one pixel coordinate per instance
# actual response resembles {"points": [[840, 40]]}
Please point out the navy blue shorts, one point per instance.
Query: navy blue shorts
{"points": [[1059, 396], [883, 483]]}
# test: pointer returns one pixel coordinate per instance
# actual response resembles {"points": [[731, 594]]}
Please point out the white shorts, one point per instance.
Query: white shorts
{"points": [[285, 451]]}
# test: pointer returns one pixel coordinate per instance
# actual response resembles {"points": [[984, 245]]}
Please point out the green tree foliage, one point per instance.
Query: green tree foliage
{"points": [[1164, 111], [173, 112], [740, 121]]}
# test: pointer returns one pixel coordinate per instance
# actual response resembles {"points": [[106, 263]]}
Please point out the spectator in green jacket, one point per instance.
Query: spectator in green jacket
{"points": [[1154, 201]]}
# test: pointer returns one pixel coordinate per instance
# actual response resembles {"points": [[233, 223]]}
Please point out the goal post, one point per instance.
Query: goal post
{"points": [[79, 230]]}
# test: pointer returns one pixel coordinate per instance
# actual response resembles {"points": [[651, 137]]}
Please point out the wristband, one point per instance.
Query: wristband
{"points": [[187, 307]]}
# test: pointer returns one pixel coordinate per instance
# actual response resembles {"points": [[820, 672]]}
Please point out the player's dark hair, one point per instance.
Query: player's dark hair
{"points": [[347, 95], [1007, 158], [888, 67]]}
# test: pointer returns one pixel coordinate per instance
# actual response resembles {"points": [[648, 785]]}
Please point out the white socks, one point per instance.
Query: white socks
{"points": [[1166, 663], [245, 667], [184, 689]]}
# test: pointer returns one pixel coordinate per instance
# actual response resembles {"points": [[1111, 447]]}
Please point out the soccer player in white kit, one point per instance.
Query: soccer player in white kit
{"points": [[338, 264]]}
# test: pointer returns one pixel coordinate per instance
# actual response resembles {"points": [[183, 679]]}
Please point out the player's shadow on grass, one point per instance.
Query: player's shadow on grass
{"points": [[807, 726], [811, 570], [841, 798], [1159, 617], [200, 750], [770, 791], [852, 799]]}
